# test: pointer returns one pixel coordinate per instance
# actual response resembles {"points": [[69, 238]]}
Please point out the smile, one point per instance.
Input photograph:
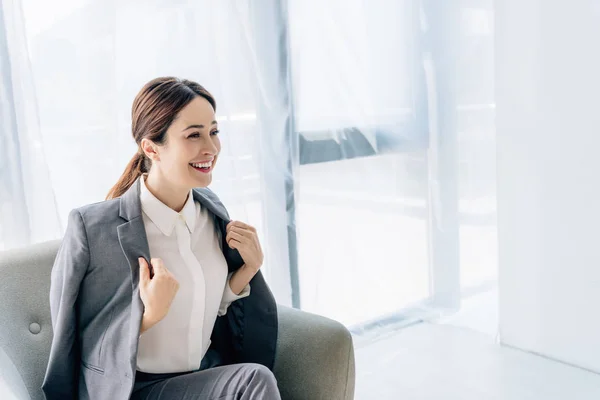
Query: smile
{"points": [[202, 167]]}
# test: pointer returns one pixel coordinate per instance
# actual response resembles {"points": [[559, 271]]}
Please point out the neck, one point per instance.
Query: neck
{"points": [[174, 197]]}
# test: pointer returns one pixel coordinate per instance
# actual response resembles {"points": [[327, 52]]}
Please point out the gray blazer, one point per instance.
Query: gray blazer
{"points": [[97, 311]]}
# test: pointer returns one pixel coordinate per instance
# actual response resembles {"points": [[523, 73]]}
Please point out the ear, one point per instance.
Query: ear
{"points": [[150, 149]]}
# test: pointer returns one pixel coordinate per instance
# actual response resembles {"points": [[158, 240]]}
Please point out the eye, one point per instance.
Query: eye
{"points": [[194, 135], [215, 132]]}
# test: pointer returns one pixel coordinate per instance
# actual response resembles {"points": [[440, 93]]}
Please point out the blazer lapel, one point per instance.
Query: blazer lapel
{"points": [[213, 205], [134, 243], [209, 200]]}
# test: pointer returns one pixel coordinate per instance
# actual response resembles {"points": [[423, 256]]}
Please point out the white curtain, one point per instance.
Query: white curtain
{"points": [[70, 71], [394, 107], [28, 212], [358, 137]]}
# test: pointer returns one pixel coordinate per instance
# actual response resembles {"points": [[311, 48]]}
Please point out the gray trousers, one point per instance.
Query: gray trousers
{"points": [[229, 382]]}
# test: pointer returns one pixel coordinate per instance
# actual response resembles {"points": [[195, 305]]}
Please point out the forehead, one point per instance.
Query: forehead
{"points": [[198, 112]]}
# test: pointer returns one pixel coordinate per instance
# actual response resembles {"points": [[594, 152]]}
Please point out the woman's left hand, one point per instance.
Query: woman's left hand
{"points": [[243, 238]]}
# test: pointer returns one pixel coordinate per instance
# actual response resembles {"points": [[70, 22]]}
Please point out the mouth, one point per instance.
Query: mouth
{"points": [[204, 167]]}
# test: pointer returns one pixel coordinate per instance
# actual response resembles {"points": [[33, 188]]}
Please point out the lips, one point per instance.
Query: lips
{"points": [[202, 169], [205, 164]]}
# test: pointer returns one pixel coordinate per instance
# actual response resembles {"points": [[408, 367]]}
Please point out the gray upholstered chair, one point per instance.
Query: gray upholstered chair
{"points": [[315, 356]]}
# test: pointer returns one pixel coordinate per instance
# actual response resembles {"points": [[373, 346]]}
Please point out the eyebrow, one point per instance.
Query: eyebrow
{"points": [[199, 126]]}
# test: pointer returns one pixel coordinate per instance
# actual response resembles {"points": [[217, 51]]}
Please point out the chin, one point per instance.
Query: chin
{"points": [[202, 182]]}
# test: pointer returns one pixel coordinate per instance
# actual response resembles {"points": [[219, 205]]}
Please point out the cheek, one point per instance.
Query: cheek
{"points": [[176, 158], [187, 153]]}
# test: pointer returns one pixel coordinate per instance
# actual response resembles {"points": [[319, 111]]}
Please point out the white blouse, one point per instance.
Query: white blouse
{"points": [[189, 247]]}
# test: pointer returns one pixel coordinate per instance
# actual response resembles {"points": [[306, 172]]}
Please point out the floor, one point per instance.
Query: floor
{"points": [[458, 358]]}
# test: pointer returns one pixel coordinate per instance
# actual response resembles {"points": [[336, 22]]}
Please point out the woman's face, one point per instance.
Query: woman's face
{"points": [[190, 152]]}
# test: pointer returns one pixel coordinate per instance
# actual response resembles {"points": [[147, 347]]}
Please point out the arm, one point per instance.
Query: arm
{"points": [[147, 323], [237, 287], [314, 358], [241, 278], [243, 238], [70, 265]]}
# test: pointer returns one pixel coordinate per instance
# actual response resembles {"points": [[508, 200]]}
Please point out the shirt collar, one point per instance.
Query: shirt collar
{"points": [[162, 215]]}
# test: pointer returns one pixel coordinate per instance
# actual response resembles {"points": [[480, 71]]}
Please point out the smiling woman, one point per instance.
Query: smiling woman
{"points": [[153, 268], [173, 124]]}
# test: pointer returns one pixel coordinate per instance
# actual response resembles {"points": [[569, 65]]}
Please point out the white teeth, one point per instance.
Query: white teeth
{"points": [[203, 165]]}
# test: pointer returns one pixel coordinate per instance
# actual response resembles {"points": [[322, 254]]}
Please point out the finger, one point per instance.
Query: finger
{"points": [[243, 231], [234, 243], [241, 225], [175, 283], [162, 269], [158, 265], [144, 270], [237, 236], [239, 229], [249, 234]]}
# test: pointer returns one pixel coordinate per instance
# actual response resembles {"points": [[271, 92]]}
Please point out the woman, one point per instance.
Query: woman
{"points": [[155, 293]]}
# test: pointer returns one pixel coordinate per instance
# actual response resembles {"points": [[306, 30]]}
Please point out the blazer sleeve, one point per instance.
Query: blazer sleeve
{"points": [[70, 266]]}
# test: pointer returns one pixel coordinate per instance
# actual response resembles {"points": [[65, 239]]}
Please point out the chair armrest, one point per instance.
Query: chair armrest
{"points": [[12, 386], [315, 357]]}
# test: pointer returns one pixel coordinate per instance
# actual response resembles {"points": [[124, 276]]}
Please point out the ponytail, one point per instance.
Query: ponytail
{"points": [[136, 167]]}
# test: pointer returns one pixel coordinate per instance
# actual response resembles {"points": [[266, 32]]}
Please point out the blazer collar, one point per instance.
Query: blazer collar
{"points": [[131, 206]]}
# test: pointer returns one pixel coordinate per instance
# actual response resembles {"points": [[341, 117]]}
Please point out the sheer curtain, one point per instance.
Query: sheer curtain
{"points": [[358, 137], [28, 212], [394, 108], [89, 60], [362, 179]]}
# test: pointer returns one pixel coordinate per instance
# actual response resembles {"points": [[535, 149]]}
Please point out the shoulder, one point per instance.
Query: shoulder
{"points": [[101, 207], [86, 222], [97, 213], [209, 194]]}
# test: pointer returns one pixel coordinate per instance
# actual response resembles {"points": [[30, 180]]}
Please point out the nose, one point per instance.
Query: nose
{"points": [[210, 147]]}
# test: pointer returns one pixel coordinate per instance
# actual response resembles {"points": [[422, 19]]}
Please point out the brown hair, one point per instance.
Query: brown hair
{"points": [[154, 109]]}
